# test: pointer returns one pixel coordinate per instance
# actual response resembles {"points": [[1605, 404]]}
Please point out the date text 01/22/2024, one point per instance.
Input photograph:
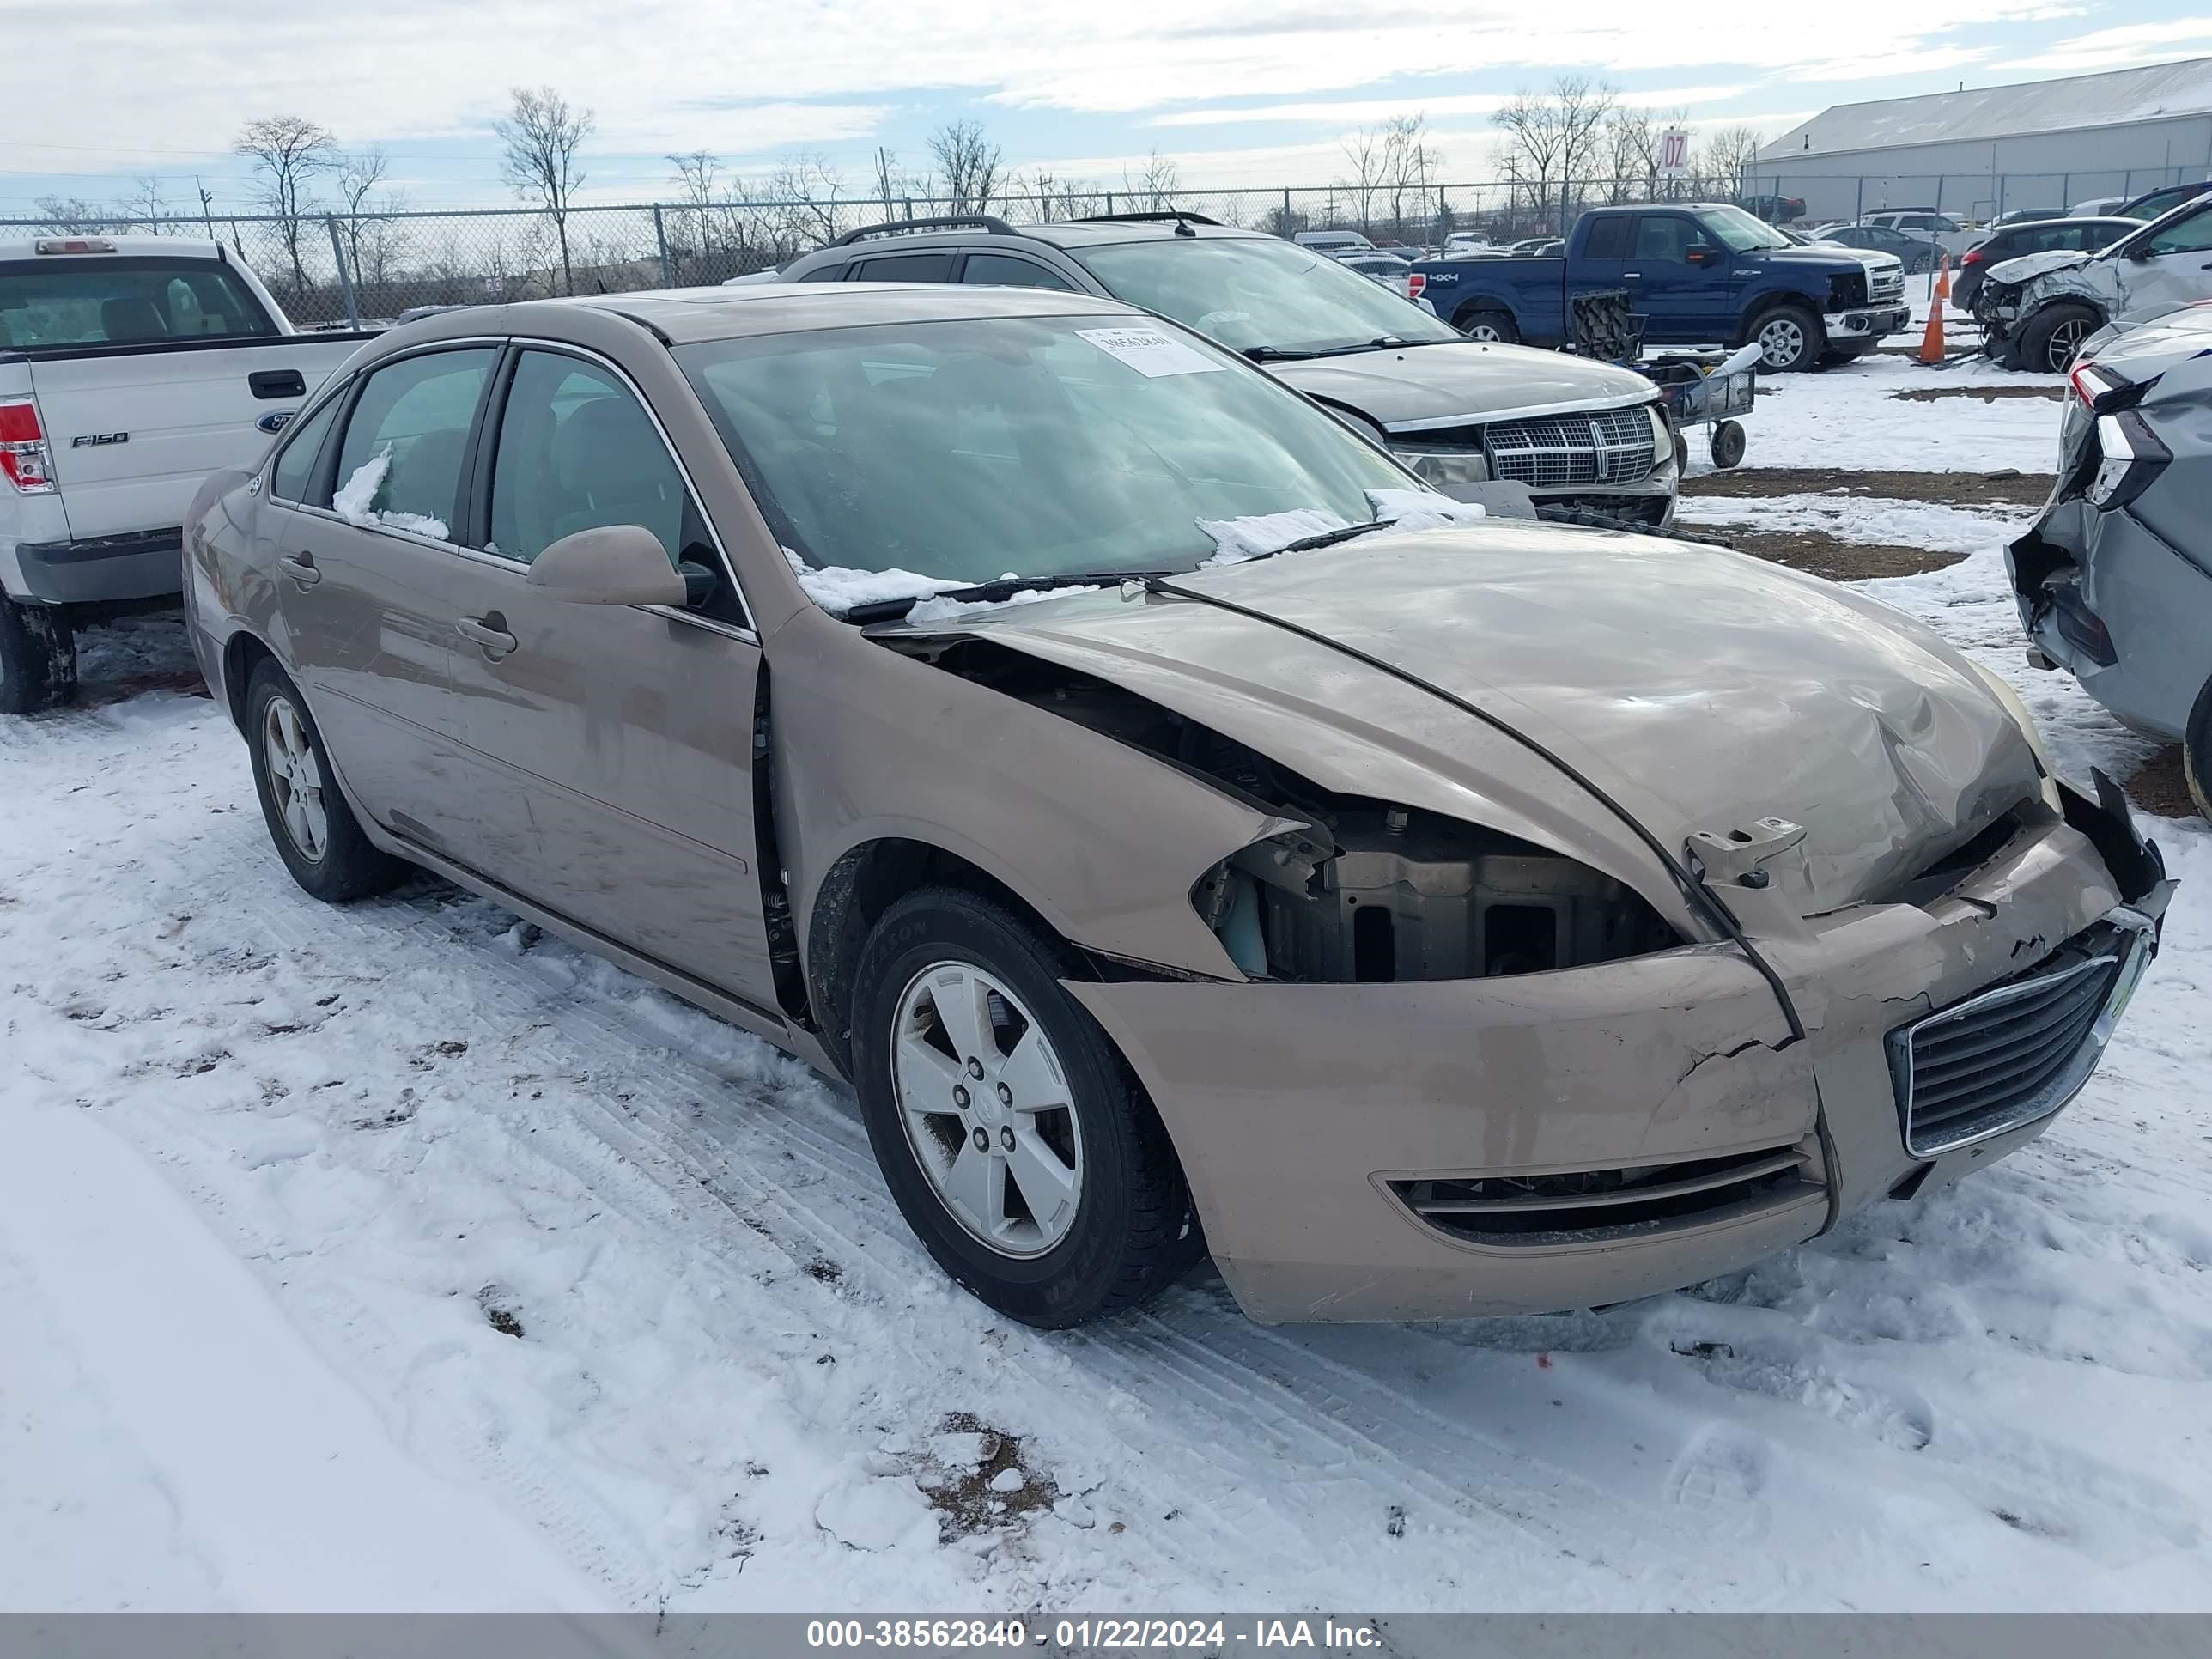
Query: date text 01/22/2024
{"points": [[1090, 1635]]}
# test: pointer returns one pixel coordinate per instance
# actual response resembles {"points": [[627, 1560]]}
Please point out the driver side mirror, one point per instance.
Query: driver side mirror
{"points": [[612, 564], [1702, 256]]}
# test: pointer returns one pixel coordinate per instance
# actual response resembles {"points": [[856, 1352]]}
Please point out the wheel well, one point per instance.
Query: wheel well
{"points": [[1477, 306], [241, 655], [859, 887]]}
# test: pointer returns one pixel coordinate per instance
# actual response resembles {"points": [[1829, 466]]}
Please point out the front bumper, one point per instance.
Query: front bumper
{"points": [[1648, 502], [145, 565], [1310, 1119], [2082, 569], [1863, 327]]}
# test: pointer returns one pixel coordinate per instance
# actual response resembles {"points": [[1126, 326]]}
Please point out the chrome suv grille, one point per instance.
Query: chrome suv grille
{"points": [[1552, 452], [1884, 286], [2018, 1051], [1590, 1205]]}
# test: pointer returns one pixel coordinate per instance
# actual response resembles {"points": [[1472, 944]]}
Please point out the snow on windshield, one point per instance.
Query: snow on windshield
{"points": [[1236, 540], [356, 500], [837, 588]]}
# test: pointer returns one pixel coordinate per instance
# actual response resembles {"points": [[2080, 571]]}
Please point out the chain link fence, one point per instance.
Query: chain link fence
{"points": [[338, 270], [1977, 198]]}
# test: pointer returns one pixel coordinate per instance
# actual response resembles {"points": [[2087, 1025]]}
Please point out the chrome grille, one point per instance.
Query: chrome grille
{"points": [[1884, 286], [2018, 1051], [1552, 452]]}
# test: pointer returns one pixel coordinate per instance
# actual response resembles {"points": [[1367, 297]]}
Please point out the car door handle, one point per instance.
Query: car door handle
{"points": [[489, 632], [300, 567], [1633, 276]]}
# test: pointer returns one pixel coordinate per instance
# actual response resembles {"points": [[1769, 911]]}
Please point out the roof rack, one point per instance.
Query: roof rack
{"points": [[1181, 218], [988, 221]]}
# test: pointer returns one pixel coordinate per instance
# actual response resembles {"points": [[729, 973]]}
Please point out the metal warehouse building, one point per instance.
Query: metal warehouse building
{"points": [[1977, 154]]}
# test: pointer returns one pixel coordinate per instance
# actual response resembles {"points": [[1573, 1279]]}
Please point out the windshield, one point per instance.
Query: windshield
{"points": [[1740, 231], [49, 303], [1253, 292], [1038, 447]]}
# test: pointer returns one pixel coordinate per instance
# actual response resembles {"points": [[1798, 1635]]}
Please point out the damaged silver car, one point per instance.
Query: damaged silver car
{"points": [[2035, 312], [2114, 582], [1186, 833]]}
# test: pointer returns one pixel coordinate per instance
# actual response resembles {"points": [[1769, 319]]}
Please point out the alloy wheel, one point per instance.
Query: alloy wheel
{"points": [[987, 1109], [1781, 344], [296, 779], [2065, 340]]}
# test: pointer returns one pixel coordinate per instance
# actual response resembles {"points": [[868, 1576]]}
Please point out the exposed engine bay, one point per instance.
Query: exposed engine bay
{"points": [[1351, 890]]}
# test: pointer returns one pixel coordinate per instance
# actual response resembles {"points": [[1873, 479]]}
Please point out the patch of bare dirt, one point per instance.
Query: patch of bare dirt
{"points": [[2160, 785], [1820, 554], [1945, 488], [1986, 394], [995, 1490]]}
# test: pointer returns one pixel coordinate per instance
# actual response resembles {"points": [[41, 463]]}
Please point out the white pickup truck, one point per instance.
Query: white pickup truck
{"points": [[130, 368]]}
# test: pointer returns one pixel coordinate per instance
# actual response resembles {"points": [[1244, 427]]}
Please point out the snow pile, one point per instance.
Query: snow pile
{"points": [[941, 610], [837, 588], [1260, 534], [355, 501]]}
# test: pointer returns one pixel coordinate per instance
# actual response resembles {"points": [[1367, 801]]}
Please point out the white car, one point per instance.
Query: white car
{"points": [[130, 368], [1334, 241], [2097, 207]]}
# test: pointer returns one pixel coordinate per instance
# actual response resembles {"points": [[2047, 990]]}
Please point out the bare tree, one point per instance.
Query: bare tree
{"points": [[1153, 190], [290, 153], [71, 215], [542, 134], [1632, 154], [805, 189], [699, 187], [1364, 152], [144, 205], [1408, 161], [1556, 138], [968, 165], [358, 176], [1728, 155]]}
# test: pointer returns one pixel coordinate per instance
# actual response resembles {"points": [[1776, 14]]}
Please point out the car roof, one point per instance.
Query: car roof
{"points": [[687, 316], [182, 247]]}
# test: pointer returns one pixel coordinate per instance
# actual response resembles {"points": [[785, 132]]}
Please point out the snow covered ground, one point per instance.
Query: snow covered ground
{"points": [[397, 1256]]}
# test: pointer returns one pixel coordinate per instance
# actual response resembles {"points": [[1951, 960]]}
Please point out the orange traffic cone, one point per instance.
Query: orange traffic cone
{"points": [[1931, 342], [1943, 278]]}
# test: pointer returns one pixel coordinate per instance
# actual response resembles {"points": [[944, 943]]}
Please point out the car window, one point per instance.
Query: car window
{"points": [[1250, 292], [1609, 239], [400, 464], [965, 450], [295, 472], [2191, 235], [832, 272], [906, 268], [999, 270], [1667, 238], [108, 299]]}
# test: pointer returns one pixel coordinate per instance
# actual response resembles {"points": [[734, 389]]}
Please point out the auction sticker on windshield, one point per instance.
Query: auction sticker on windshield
{"points": [[1150, 352]]}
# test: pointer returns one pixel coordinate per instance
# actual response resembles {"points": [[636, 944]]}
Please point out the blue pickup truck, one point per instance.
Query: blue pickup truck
{"points": [[1697, 273]]}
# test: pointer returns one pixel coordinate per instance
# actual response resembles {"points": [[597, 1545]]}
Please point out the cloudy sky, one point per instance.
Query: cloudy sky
{"points": [[1237, 92]]}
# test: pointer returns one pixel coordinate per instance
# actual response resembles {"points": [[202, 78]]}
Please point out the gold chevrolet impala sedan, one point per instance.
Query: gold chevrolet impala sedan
{"points": [[1185, 832]]}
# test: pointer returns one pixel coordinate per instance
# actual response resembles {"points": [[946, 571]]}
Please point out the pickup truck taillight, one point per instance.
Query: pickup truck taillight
{"points": [[23, 456], [1415, 284]]}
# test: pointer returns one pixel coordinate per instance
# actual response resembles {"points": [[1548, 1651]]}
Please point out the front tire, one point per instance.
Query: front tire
{"points": [[2049, 342], [316, 833], [1014, 1137], [1789, 339], [37, 658], [2196, 753], [1491, 327]]}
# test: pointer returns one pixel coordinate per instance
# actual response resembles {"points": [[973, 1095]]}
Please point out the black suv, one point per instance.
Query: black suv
{"points": [[1584, 436]]}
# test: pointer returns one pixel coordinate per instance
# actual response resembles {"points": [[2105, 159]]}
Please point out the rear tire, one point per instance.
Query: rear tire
{"points": [[316, 833], [2049, 342], [2196, 753], [1132, 1229], [37, 658], [1790, 338], [1493, 327]]}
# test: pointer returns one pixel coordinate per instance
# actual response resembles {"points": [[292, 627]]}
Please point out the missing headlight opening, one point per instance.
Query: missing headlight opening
{"points": [[1370, 892], [1363, 889]]}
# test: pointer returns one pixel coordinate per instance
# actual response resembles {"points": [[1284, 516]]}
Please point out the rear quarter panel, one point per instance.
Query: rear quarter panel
{"points": [[1533, 292]]}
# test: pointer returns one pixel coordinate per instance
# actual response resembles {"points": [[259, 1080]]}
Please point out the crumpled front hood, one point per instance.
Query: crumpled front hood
{"points": [[1471, 382], [1703, 690], [2031, 265]]}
